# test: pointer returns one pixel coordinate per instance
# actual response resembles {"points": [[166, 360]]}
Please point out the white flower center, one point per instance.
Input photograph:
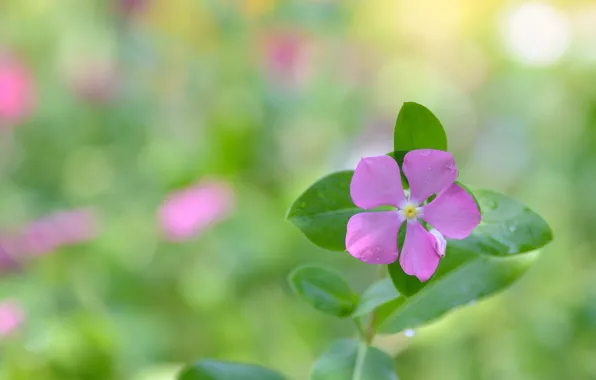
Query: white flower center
{"points": [[410, 211]]}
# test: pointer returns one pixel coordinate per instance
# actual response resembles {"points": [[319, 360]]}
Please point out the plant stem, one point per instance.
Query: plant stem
{"points": [[371, 326], [360, 327]]}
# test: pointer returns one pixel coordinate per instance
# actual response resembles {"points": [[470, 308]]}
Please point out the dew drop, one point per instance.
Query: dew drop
{"points": [[512, 228], [409, 333], [490, 205], [429, 168]]}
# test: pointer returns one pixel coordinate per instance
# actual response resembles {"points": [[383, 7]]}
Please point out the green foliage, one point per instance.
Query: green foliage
{"points": [[507, 227], [379, 293], [463, 277], [417, 127], [217, 370], [347, 359], [323, 210], [323, 289], [474, 267]]}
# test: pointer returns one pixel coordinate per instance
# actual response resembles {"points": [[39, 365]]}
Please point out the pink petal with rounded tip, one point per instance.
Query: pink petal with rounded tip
{"points": [[377, 182], [428, 172], [372, 237], [419, 256], [453, 212]]}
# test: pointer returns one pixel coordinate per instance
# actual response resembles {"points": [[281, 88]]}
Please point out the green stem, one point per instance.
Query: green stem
{"points": [[360, 327], [359, 366], [371, 326]]}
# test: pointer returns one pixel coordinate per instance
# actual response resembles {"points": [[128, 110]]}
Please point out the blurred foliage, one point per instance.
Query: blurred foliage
{"points": [[136, 99]]}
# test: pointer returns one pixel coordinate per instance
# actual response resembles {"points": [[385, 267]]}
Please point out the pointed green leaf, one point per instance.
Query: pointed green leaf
{"points": [[507, 227], [347, 359], [379, 293], [325, 290], [417, 128], [217, 370], [470, 277], [323, 210], [489, 260]]}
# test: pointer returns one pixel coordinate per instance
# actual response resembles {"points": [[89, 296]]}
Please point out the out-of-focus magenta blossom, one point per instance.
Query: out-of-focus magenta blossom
{"points": [[11, 317], [188, 212], [131, 6], [94, 81], [7, 261], [16, 92], [49, 233], [372, 236], [286, 57]]}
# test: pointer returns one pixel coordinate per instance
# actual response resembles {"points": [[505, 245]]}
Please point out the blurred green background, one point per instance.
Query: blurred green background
{"points": [[136, 99]]}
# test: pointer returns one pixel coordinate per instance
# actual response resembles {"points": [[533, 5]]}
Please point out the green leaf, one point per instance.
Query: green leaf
{"points": [[398, 156], [347, 359], [489, 260], [379, 293], [469, 278], [325, 290], [323, 210], [217, 370], [417, 128], [507, 227]]}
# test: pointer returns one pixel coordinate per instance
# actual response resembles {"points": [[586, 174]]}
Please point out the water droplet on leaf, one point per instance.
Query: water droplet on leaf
{"points": [[488, 206], [409, 333]]}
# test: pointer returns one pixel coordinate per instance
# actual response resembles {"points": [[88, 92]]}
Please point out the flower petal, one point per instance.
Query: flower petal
{"points": [[428, 171], [377, 182], [372, 237], [419, 256], [453, 212], [440, 242]]}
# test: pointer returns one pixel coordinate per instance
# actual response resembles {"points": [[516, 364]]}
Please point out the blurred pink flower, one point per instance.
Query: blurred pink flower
{"points": [[49, 233], [188, 212], [7, 261], [16, 92], [131, 6], [286, 56], [94, 81], [11, 316]]}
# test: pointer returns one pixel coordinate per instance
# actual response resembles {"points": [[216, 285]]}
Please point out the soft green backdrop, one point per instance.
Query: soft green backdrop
{"points": [[270, 95]]}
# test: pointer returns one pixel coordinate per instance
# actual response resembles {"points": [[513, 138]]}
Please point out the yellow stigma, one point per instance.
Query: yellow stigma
{"points": [[410, 211]]}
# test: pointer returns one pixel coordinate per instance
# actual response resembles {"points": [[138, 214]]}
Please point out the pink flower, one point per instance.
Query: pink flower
{"points": [[130, 6], [94, 81], [372, 236], [16, 92], [11, 316], [287, 57], [49, 233], [190, 211]]}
